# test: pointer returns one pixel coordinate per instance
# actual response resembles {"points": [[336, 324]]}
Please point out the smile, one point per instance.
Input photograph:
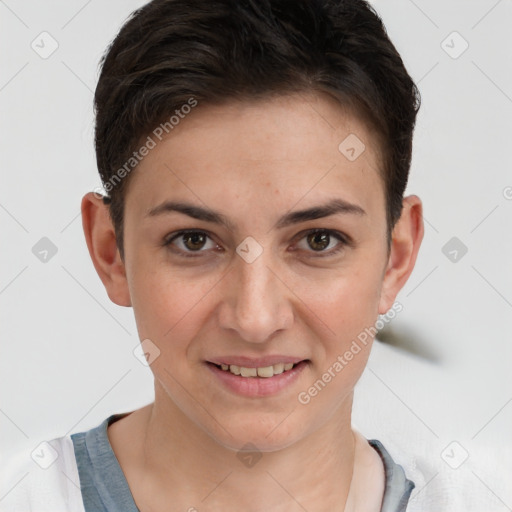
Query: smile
{"points": [[257, 381], [264, 371]]}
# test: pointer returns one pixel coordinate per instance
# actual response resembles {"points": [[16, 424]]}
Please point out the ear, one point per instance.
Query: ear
{"points": [[101, 242], [406, 240]]}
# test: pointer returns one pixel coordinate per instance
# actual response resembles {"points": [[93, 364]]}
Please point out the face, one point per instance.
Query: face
{"points": [[252, 241]]}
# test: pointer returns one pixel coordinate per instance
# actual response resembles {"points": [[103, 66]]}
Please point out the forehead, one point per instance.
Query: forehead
{"points": [[302, 147]]}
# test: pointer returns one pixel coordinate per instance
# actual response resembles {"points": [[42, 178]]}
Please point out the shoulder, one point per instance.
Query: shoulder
{"points": [[44, 479], [397, 487], [470, 485]]}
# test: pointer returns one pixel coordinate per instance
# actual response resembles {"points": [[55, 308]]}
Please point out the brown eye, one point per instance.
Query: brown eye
{"points": [[194, 241], [190, 242], [323, 242], [318, 241]]}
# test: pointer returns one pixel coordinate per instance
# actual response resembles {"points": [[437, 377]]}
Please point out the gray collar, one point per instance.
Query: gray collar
{"points": [[105, 489]]}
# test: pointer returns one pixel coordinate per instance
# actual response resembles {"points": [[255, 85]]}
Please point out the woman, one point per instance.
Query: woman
{"points": [[254, 157]]}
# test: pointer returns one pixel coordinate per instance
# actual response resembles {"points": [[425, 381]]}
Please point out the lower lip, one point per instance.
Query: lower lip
{"points": [[258, 386]]}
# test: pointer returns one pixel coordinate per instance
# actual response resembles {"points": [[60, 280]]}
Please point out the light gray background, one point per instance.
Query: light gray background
{"points": [[67, 359]]}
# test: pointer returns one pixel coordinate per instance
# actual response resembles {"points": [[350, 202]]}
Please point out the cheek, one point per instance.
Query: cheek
{"points": [[349, 307], [168, 308], [347, 302]]}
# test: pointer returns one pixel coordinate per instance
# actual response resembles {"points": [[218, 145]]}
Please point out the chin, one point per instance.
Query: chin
{"points": [[269, 436]]}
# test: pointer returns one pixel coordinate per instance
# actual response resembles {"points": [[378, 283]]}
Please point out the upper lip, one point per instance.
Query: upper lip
{"points": [[255, 362]]}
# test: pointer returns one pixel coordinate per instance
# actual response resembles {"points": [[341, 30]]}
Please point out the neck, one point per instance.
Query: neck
{"points": [[179, 461]]}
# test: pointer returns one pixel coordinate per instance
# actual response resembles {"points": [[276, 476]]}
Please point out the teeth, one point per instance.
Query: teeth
{"points": [[248, 372], [266, 371], [278, 368]]}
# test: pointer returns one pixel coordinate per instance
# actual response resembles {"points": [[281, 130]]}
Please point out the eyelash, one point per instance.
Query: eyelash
{"points": [[343, 239]]}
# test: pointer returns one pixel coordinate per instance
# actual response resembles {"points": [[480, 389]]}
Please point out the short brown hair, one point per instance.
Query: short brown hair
{"points": [[170, 51]]}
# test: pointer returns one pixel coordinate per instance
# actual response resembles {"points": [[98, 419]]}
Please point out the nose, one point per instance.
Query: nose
{"points": [[256, 302]]}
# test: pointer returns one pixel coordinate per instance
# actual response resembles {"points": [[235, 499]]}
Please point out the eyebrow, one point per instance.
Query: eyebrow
{"points": [[333, 207]]}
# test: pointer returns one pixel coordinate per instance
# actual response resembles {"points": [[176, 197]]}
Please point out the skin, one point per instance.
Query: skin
{"points": [[253, 162]]}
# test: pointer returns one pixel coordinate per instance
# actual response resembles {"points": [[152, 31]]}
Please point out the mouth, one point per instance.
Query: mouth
{"points": [[257, 378], [265, 372]]}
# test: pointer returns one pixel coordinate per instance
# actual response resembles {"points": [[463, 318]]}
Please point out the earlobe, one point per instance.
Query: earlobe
{"points": [[101, 242], [406, 240]]}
